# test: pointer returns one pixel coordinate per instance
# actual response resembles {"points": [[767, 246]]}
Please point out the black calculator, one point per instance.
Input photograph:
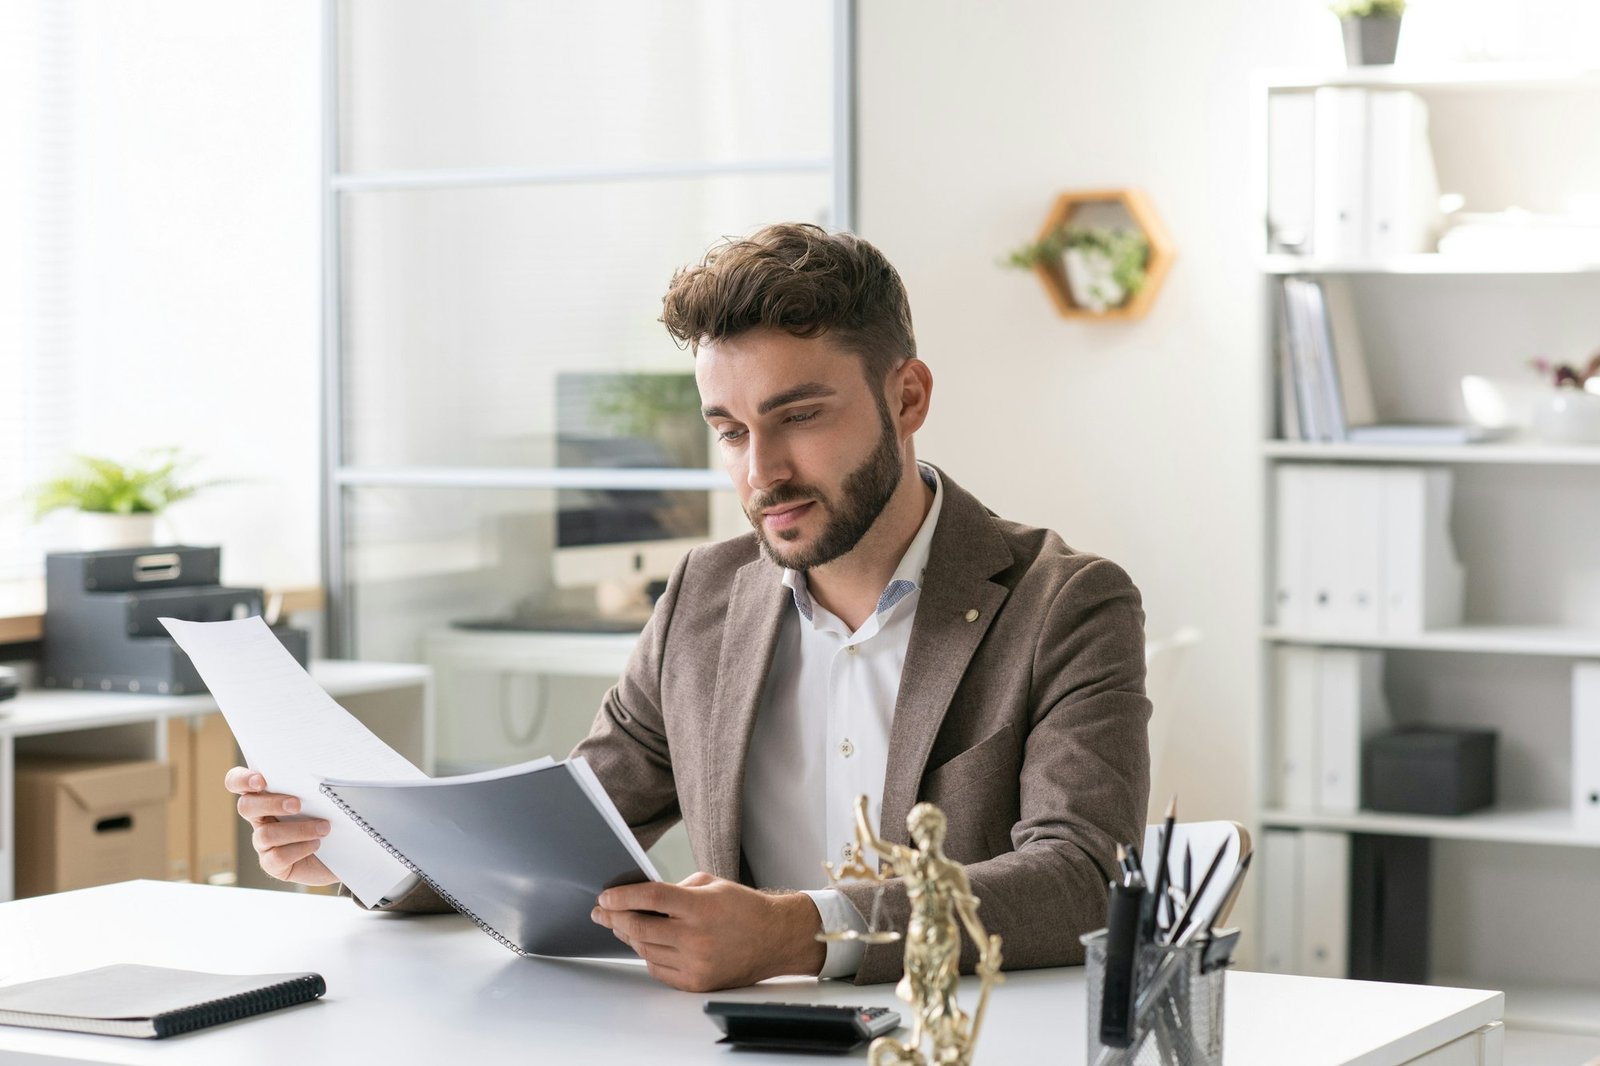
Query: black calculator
{"points": [[799, 1026]]}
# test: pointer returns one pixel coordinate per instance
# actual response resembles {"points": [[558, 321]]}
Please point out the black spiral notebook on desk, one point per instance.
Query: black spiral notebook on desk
{"points": [[150, 1001]]}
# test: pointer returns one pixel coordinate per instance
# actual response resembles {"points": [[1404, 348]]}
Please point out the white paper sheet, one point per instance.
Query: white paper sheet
{"points": [[296, 735]]}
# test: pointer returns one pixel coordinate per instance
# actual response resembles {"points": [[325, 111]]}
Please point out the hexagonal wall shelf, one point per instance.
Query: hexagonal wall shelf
{"points": [[1107, 206]]}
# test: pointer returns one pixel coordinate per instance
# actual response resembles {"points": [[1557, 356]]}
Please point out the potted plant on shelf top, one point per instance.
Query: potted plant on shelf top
{"points": [[1371, 30], [117, 504], [1105, 266]]}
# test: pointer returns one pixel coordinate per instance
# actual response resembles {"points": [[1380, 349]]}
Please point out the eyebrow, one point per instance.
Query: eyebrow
{"points": [[811, 390]]}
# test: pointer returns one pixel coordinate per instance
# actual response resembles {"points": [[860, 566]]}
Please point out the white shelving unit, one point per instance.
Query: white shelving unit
{"points": [[1514, 885]]}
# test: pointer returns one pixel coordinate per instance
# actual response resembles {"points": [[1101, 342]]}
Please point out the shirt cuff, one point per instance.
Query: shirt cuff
{"points": [[838, 914]]}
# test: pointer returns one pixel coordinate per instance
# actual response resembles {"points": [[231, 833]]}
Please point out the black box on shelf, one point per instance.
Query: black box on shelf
{"points": [[126, 569], [102, 609], [139, 614], [141, 664], [1429, 770]]}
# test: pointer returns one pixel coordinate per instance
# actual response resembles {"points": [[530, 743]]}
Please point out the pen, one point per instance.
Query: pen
{"points": [[1162, 876], [1183, 930], [1234, 884], [1122, 942]]}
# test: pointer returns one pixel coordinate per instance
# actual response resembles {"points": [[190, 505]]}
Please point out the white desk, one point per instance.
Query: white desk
{"points": [[436, 990]]}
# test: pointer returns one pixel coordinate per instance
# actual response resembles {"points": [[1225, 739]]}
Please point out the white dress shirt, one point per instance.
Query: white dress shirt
{"points": [[821, 738]]}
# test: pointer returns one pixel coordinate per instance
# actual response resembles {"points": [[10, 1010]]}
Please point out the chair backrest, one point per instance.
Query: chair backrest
{"points": [[1203, 840]]}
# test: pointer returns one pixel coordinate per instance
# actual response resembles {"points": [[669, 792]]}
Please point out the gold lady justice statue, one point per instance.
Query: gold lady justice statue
{"points": [[939, 893]]}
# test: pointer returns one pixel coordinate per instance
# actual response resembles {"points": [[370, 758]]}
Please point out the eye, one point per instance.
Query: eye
{"points": [[797, 417], [730, 436]]}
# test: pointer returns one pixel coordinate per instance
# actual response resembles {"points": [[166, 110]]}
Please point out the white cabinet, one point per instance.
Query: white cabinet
{"points": [[1513, 886]]}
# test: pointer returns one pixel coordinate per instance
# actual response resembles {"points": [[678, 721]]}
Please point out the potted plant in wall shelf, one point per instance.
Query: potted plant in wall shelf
{"points": [[1105, 267], [1371, 30], [1570, 412], [116, 505]]}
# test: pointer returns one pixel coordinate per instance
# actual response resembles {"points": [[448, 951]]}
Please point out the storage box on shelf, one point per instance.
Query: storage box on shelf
{"points": [[1494, 545]]}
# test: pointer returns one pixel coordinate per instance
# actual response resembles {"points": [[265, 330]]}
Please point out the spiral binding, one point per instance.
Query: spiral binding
{"points": [[243, 1005], [327, 790]]}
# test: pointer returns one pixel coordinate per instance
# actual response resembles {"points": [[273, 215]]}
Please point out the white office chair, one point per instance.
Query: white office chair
{"points": [[1203, 840]]}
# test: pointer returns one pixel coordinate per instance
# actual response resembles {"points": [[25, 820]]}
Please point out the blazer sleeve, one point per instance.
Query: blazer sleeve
{"points": [[627, 744], [1084, 785]]}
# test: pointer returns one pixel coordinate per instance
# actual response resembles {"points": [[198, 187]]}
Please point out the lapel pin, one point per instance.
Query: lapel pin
{"points": [[972, 614]]}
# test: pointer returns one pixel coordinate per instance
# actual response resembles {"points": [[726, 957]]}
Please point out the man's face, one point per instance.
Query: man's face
{"points": [[810, 446]]}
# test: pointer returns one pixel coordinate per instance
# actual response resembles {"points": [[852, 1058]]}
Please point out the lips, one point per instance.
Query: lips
{"points": [[784, 517]]}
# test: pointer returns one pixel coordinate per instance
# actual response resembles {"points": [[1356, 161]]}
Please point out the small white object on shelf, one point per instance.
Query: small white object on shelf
{"points": [[1567, 416]]}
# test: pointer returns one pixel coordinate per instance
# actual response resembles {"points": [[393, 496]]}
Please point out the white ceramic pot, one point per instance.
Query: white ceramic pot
{"points": [[99, 531], [1567, 416], [1092, 280]]}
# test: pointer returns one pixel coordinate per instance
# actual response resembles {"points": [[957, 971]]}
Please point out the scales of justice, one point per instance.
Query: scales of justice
{"points": [[940, 896]]}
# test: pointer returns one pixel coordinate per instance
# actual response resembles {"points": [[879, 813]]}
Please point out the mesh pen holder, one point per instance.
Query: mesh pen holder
{"points": [[1177, 1009]]}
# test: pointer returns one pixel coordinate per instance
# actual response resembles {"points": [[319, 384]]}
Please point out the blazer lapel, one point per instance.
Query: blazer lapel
{"points": [[749, 638], [967, 550]]}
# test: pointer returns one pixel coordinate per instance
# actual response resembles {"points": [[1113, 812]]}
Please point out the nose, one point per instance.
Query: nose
{"points": [[766, 462]]}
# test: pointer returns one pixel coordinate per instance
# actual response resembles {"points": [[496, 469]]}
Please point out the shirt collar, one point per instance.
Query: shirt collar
{"points": [[907, 577]]}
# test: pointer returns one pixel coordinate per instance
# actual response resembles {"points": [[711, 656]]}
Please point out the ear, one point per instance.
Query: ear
{"points": [[909, 390]]}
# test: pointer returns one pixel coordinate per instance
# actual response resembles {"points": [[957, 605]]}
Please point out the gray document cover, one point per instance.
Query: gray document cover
{"points": [[522, 851]]}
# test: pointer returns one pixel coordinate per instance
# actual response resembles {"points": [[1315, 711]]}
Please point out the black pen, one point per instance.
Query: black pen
{"points": [[1122, 949], [1163, 878], [1190, 909], [1228, 897]]}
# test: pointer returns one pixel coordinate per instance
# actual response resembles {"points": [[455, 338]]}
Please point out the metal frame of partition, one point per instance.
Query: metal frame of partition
{"points": [[338, 478]]}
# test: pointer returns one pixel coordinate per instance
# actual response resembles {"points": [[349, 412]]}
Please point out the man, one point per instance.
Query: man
{"points": [[879, 632]]}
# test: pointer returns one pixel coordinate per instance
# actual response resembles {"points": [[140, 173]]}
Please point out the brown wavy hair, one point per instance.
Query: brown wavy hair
{"points": [[803, 280]]}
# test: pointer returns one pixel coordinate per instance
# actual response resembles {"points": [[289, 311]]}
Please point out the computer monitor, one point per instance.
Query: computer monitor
{"points": [[618, 541]]}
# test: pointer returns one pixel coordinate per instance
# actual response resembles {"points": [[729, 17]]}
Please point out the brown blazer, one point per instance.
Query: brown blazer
{"points": [[1026, 724]]}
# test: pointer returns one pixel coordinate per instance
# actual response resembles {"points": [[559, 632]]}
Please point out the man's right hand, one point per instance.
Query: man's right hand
{"points": [[286, 850]]}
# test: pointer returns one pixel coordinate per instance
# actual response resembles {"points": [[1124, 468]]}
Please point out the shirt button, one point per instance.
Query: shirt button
{"points": [[851, 648], [847, 852], [846, 748]]}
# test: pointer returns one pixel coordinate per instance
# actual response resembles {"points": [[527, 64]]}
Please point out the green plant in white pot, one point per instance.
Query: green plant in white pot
{"points": [[117, 504], [1371, 30], [1105, 267]]}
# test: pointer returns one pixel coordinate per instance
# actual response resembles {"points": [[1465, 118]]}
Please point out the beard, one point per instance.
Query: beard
{"points": [[862, 497]]}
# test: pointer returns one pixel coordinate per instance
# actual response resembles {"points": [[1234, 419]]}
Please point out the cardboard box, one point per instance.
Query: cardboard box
{"points": [[180, 808], [216, 816], [82, 822]]}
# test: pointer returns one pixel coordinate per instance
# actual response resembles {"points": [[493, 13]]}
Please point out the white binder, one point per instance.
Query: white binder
{"points": [[1291, 147], [1295, 708], [1324, 903], [1280, 900], [1344, 533], [1350, 709], [1325, 538], [1586, 747], [1340, 175], [1403, 185], [1422, 579], [1292, 595]]}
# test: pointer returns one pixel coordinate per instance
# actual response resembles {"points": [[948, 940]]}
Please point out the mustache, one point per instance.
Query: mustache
{"points": [[761, 501]]}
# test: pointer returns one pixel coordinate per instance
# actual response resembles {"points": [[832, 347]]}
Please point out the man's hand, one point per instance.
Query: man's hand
{"points": [[286, 850], [707, 933]]}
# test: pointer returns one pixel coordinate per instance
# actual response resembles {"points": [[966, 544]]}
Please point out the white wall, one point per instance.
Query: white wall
{"points": [[1137, 441]]}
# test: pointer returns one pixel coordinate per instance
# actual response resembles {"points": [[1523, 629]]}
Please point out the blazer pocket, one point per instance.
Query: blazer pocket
{"points": [[983, 764]]}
